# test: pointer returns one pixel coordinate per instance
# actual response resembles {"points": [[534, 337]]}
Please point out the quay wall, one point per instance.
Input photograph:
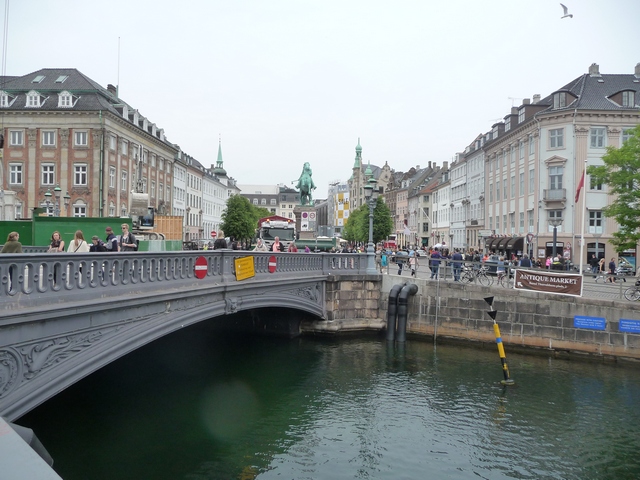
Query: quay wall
{"points": [[453, 312]]}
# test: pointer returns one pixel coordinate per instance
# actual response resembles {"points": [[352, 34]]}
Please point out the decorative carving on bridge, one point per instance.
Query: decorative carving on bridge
{"points": [[311, 293], [10, 367], [231, 305]]}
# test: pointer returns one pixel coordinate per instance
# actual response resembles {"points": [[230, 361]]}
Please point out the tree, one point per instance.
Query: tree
{"points": [[357, 228], [238, 218], [621, 173]]}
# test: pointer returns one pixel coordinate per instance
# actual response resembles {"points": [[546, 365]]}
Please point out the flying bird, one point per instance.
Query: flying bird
{"points": [[566, 12]]}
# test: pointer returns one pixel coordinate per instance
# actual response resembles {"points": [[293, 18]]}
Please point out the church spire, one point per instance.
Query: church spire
{"points": [[219, 170], [358, 162]]}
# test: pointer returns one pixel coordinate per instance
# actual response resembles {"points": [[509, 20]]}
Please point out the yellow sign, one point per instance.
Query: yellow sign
{"points": [[244, 268]]}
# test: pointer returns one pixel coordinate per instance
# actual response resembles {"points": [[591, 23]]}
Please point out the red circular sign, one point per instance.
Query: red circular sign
{"points": [[213, 234], [272, 263], [201, 267]]}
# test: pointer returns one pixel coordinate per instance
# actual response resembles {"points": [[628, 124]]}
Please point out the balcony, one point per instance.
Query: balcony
{"points": [[555, 195]]}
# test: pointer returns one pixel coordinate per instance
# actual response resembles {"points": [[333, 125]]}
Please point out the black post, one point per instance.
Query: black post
{"points": [[555, 238]]}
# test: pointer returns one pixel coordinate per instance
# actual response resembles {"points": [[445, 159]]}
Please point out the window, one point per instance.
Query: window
{"points": [[263, 201], [593, 185], [112, 177], [33, 99], [255, 201], [504, 189], [595, 221], [79, 210], [532, 145], [627, 133], [48, 175], [168, 196], [18, 211], [61, 78], [124, 148], [112, 209], [153, 160], [491, 192], [79, 174], [512, 222], [513, 154], [80, 139], [15, 173], [556, 139], [559, 100], [597, 137], [497, 190], [160, 191], [521, 115], [4, 99], [532, 177], [273, 201], [497, 223], [48, 139], [507, 124], [555, 178], [65, 100], [521, 229], [160, 164], [112, 142], [16, 138], [530, 220], [628, 99], [513, 186], [168, 167], [123, 181], [521, 184], [153, 189]]}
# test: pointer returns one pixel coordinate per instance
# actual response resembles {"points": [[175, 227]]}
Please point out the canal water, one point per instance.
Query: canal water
{"points": [[205, 404]]}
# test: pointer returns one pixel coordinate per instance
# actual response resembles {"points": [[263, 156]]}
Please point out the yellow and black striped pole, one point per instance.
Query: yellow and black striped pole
{"points": [[496, 330]]}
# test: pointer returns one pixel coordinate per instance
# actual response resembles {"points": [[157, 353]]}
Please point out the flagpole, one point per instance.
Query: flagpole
{"points": [[584, 213]]}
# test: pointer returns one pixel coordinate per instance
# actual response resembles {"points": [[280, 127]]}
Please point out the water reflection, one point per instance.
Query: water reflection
{"points": [[201, 404]]}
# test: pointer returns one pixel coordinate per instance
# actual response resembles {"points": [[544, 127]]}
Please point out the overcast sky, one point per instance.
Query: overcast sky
{"points": [[288, 81]]}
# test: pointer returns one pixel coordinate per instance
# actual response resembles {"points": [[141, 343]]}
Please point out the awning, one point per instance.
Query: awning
{"points": [[493, 245], [502, 244], [515, 244]]}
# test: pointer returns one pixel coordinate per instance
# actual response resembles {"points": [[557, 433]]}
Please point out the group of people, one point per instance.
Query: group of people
{"points": [[126, 242], [600, 269]]}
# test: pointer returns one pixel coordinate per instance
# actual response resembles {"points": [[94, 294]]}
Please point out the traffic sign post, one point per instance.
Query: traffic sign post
{"points": [[201, 267], [272, 263], [213, 234]]}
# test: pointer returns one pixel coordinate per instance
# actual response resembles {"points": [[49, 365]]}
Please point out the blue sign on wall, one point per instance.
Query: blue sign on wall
{"points": [[594, 323], [632, 326]]}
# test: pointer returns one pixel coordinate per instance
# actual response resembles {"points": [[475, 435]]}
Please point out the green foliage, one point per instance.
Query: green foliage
{"points": [[238, 218], [621, 173], [258, 213], [357, 228]]}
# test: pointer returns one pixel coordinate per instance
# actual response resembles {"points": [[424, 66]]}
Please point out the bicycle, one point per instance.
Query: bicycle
{"points": [[504, 280], [470, 274], [633, 293]]}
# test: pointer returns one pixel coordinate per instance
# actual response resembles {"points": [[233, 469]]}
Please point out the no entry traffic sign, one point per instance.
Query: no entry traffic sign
{"points": [[213, 234], [201, 267], [272, 263]]}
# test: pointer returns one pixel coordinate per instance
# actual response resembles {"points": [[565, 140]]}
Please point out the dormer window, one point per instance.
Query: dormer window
{"points": [[65, 100], [34, 99], [507, 124], [559, 100], [521, 115], [5, 99], [629, 98]]}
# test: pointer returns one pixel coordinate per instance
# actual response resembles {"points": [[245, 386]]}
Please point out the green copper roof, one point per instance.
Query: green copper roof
{"points": [[219, 170]]}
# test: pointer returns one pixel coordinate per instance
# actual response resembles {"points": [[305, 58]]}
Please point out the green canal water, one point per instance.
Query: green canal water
{"points": [[204, 404]]}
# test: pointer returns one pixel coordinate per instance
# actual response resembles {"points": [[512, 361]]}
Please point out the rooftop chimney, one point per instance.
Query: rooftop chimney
{"points": [[638, 70], [594, 70], [112, 90], [514, 110], [445, 165], [526, 101], [430, 162], [536, 97]]}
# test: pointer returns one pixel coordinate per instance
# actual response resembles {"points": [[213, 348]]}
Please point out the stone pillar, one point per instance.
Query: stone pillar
{"points": [[306, 221]]}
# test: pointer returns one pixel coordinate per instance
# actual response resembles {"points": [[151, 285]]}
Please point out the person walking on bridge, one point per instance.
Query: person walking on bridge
{"points": [[12, 244], [127, 241]]}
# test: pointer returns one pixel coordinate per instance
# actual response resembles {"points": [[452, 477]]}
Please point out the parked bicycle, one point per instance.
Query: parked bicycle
{"points": [[633, 293], [474, 274], [504, 280]]}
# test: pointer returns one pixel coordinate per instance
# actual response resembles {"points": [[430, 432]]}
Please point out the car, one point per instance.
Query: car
{"points": [[625, 268]]}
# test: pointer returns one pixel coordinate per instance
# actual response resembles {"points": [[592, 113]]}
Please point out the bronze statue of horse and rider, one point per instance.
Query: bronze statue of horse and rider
{"points": [[305, 184]]}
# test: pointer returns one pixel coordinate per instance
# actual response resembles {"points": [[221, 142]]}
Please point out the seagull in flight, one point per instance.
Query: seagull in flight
{"points": [[566, 12]]}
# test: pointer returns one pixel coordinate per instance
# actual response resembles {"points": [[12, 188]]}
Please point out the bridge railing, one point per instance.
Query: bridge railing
{"points": [[39, 278]]}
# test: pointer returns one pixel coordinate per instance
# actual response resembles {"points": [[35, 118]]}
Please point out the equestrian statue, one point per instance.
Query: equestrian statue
{"points": [[305, 184]]}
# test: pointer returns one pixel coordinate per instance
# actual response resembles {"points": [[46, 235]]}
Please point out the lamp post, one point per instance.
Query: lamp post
{"points": [[371, 196], [67, 201], [57, 192], [47, 201], [555, 223]]}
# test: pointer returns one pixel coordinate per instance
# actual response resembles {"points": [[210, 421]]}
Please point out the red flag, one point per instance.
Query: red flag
{"points": [[580, 185]]}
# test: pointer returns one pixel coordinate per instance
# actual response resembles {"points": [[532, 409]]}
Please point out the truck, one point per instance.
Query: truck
{"points": [[276, 226], [142, 215]]}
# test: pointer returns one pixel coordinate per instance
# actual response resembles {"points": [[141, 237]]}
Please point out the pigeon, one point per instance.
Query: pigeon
{"points": [[566, 12]]}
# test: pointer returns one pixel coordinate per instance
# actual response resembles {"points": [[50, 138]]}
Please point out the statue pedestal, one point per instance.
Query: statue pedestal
{"points": [[306, 221]]}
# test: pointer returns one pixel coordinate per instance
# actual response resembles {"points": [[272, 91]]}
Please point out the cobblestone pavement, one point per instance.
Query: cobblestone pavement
{"points": [[591, 287]]}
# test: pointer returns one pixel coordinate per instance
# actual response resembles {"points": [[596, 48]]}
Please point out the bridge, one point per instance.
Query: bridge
{"points": [[66, 315]]}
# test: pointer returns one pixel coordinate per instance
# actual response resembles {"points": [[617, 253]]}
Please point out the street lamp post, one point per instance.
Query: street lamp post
{"points": [[555, 223], [47, 201], [67, 201], [57, 191], [371, 194]]}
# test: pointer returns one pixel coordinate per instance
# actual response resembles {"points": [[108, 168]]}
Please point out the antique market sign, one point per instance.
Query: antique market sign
{"points": [[549, 282]]}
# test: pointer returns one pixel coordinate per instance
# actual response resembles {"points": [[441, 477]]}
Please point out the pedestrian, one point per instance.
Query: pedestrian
{"points": [[399, 263], [413, 263], [378, 259], [12, 245], [292, 247], [525, 262], [307, 249], [434, 263], [97, 245], [260, 246], [457, 264], [612, 271], [220, 242], [548, 263], [57, 244], [594, 262], [111, 242], [78, 244], [127, 241], [277, 245]]}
